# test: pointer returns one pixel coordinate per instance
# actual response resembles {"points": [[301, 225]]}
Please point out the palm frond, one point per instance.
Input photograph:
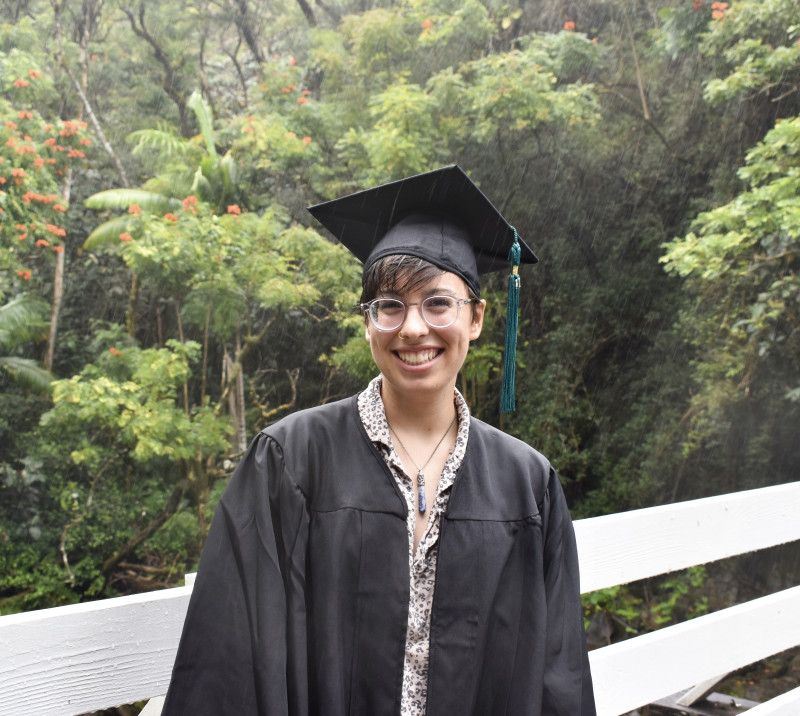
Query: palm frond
{"points": [[21, 319], [162, 142], [201, 185], [108, 232], [205, 119], [27, 373], [124, 198]]}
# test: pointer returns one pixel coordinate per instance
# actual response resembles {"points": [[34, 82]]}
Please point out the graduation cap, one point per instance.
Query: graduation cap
{"points": [[442, 217]]}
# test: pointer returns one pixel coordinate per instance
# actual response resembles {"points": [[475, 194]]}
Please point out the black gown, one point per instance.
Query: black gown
{"points": [[301, 601]]}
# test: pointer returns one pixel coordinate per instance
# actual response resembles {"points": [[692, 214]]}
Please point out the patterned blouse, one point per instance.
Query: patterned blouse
{"points": [[422, 565]]}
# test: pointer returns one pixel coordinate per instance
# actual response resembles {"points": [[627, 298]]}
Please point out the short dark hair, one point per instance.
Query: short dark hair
{"points": [[400, 273]]}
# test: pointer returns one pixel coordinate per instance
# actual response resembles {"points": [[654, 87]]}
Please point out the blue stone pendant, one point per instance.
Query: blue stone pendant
{"points": [[421, 492]]}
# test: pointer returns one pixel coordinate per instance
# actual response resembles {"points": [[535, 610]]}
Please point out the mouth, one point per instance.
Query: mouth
{"points": [[417, 357]]}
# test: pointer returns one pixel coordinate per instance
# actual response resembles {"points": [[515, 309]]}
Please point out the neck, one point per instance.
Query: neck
{"points": [[418, 414]]}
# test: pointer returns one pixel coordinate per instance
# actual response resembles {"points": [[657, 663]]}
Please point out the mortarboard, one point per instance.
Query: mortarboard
{"points": [[442, 217]]}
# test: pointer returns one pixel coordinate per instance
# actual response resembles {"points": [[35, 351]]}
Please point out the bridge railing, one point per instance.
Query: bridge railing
{"points": [[86, 657]]}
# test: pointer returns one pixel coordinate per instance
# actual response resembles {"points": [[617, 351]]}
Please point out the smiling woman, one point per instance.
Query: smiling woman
{"points": [[390, 554]]}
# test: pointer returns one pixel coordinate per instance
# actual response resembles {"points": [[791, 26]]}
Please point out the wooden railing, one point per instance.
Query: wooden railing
{"points": [[85, 657]]}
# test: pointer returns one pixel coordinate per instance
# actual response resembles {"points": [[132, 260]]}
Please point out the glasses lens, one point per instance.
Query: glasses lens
{"points": [[387, 313], [440, 311]]}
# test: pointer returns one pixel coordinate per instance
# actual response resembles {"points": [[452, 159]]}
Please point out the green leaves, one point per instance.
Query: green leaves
{"points": [[127, 404]]}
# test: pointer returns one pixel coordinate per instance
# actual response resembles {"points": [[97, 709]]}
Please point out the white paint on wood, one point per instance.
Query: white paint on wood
{"points": [[633, 673], [699, 691], [85, 657], [787, 704], [153, 707], [621, 548]]}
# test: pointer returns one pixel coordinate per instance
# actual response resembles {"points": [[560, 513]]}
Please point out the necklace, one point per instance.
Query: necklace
{"points": [[420, 473]]}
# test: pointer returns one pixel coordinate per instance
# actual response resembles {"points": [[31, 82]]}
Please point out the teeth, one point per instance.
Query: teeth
{"points": [[418, 357]]}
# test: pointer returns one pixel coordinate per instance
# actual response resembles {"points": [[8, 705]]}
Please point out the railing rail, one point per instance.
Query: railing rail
{"points": [[85, 657]]}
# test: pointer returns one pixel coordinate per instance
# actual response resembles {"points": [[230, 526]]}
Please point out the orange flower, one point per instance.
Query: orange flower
{"points": [[285, 90], [169, 216], [248, 129], [234, 209], [569, 26], [50, 141], [20, 227], [59, 207], [291, 135], [306, 92], [42, 242], [718, 10], [292, 62], [24, 273], [125, 236], [10, 124], [76, 153], [2, 180], [306, 140], [58, 249], [34, 74], [135, 209], [427, 24], [302, 100], [115, 352], [292, 87], [23, 114], [19, 82], [48, 127], [11, 142], [17, 172], [22, 237], [38, 162], [85, 142], [189, 200]]}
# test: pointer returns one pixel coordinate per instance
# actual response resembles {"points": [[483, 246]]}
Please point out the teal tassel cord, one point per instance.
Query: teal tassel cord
{"points": [[507, 401]]}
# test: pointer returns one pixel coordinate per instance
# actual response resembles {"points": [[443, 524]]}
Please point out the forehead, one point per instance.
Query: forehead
{"points": [[408, 284]]}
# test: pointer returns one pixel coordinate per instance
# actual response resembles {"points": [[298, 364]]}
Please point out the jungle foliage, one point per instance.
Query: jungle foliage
{"points": [[164, 295]]}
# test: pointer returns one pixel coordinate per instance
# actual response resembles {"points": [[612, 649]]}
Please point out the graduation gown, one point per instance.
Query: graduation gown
{"points": [[301, 601]]}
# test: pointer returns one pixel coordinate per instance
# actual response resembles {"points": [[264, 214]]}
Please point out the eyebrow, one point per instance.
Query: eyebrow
{"points": [[435, 291]]}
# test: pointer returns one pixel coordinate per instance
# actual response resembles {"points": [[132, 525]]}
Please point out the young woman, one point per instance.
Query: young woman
{"points": [[389, 554]]}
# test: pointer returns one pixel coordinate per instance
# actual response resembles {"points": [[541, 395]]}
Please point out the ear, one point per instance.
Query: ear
{"points": [[477, 319]]}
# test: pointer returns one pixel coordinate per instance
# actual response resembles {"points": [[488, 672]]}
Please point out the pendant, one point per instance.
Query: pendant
{"points": [[421, 492]]}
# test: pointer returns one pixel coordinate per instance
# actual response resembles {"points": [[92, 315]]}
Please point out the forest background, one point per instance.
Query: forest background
{"points": [[164, 295]]}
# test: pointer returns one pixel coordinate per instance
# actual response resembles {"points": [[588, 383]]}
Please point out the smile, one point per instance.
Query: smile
{"points": [[417, 357]]}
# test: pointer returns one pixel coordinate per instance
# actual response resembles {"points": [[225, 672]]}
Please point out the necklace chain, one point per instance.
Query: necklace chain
{"points": [[420, 473]]}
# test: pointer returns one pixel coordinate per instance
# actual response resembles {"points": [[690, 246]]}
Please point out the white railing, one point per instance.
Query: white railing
{"points": [[85, 657]]}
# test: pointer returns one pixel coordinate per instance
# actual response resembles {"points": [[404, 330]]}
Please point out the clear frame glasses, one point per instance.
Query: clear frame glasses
{"points": [[388, 314]]}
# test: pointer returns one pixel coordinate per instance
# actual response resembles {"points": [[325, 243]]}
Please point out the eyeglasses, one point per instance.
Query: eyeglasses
{"points": [[388, 314]]}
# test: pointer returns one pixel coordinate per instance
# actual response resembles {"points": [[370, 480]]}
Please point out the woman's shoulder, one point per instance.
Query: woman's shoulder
{"points": [[317, 422], [501, 443]]}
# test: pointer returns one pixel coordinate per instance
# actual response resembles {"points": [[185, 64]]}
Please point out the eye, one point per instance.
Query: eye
{"points": [[388, 306], [439, 304]]}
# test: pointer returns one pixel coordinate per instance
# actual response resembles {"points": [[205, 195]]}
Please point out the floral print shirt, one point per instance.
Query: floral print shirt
{"points": [[422, 565]]}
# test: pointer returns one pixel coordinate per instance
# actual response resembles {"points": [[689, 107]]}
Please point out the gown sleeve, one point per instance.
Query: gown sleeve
{"points": [[567, 679], [242, 650]]}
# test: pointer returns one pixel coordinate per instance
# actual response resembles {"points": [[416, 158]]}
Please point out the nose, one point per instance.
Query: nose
{"points": [[414, 325]]}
